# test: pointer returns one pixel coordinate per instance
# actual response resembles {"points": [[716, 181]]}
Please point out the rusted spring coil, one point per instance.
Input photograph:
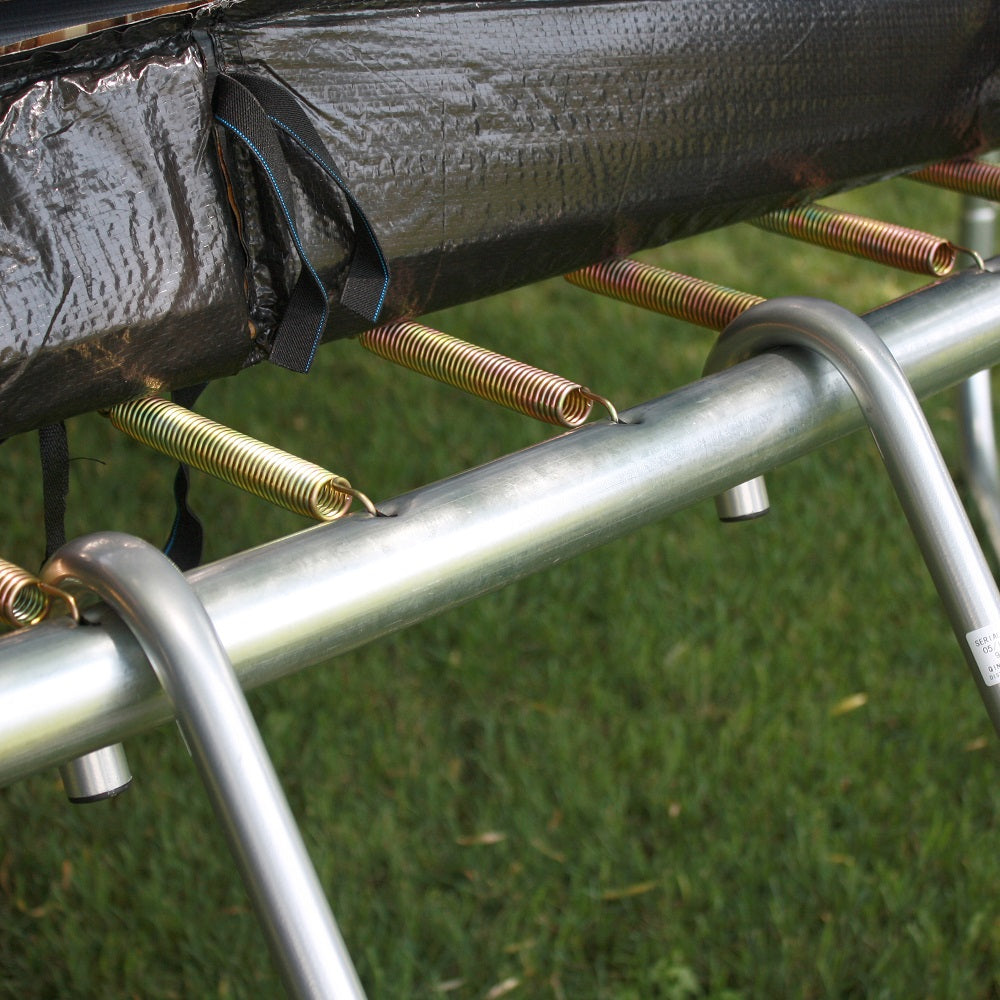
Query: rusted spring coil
{"points": [[680, 295], [502, 380], [242, 461], [870, 239], [24, 599], [975, 177]]}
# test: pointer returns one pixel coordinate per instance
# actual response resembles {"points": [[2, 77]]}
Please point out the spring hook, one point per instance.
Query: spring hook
{"points": [[514, 384], [870, 239], [974, 177], [25, 600], [241, 461], [679, 295]]}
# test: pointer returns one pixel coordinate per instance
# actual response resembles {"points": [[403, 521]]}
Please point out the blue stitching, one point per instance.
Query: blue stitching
{"points": [[173, 534], [351, 200], [291, 225], [347, 191]]}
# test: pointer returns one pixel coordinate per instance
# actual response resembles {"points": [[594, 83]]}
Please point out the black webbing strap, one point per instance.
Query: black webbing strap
{"points": [[184, 546], [187, 536], [53, 449], [261, 114]]}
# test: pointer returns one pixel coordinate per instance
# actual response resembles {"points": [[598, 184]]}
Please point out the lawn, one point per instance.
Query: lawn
{"points": [[706, 761]]}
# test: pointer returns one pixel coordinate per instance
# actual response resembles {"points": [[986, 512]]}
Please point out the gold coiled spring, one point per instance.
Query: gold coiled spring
{"points": [[242, 461], [679, 295], [975, 177], [870, 239], [514, 384], [24, 599]]}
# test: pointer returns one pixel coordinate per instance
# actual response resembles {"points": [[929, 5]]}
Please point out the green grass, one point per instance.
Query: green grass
{"points": [[625, 778]]}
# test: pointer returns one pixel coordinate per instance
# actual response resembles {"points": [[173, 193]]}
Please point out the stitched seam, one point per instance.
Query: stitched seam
{"points": [[291, 224]]}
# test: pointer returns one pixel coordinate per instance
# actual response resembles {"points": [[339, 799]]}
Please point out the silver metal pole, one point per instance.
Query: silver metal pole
{"points": [[301, 599], [975, 397], [169, 622], [911, 455], [96, 776]]}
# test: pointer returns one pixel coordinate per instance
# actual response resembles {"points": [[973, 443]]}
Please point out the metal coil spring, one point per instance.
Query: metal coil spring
{"points": [[242, 461], [871, 239], [24, 599], [514, 384], [679, 295], [975, 177]]}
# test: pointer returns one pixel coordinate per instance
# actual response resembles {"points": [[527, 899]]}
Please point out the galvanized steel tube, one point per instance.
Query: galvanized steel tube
{"points": [[328, 589]]}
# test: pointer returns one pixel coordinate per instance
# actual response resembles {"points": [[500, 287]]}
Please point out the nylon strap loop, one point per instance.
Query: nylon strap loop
{"points": [[261, 115], [53, 450], [187, 536]]}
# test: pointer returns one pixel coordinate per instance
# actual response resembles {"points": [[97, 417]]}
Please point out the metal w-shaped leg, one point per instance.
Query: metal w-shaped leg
{"points": [[175, 632], [911, 456]]}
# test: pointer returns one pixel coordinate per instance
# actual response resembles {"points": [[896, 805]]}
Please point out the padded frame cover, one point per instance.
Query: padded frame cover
{"points": [[491, 145]]}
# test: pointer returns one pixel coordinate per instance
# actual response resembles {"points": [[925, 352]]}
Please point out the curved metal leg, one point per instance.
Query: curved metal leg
{"points": [[911, 456], [979, 452], [175, 632], [975, 398]]}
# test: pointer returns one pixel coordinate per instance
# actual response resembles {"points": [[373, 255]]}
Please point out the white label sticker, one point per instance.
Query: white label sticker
{"points": [[985, 646]]}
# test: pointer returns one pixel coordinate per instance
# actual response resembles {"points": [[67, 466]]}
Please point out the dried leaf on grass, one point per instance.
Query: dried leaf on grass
{"points": [[515, 947], [841, 859], [550, 852], [502, 989], [850, 703], [609, 895], [478, 839]]}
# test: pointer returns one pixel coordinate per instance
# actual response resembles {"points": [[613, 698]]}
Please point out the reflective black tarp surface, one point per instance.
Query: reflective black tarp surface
{"points": [[121, 272], [490, 144]]}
